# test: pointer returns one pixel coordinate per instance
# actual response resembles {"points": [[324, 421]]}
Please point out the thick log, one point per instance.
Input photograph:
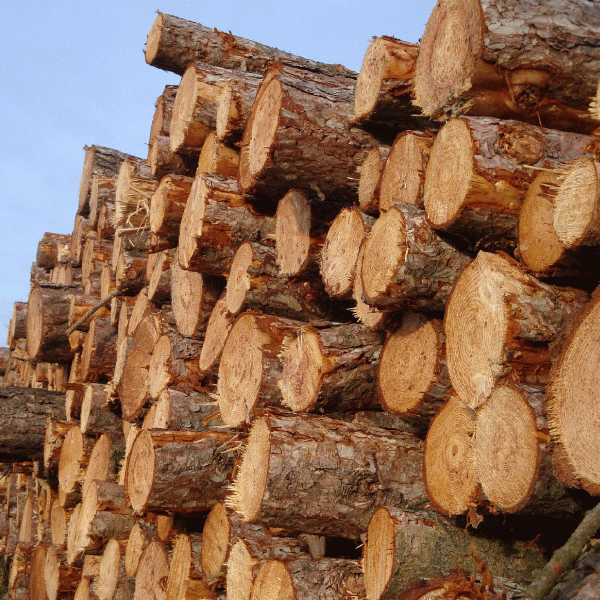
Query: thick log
{"points": [[570, 403], [324, 579], [300, 135], [487, 58], [336, 482], [412, 375], [539, 249], [331, 369], [251, 365], [182, 472], [167, 205], [406, 265], [173, 43], [405, 546], [48, 309], [193, 298], [216, 220], [403, 176], [383, 100], [24, 412], [498, 325], [480, 168]]}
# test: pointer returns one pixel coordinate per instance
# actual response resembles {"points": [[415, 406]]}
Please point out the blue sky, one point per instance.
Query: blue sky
{"points": [[73, 74]]}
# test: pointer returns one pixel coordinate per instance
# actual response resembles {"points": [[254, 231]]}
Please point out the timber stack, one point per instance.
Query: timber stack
{"points": [[335, 337]]}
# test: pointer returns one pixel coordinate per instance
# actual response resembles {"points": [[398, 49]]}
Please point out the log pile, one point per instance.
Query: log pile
{"points": [[335, 337]]}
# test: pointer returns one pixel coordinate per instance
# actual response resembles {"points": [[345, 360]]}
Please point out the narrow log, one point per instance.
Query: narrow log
{"points": [[327, 578], [331, 369], [135, 186], [163, 161], [173, 43], [99, 351], [403, 177], [184, 581], [152, 573], [74, 457], [105, 227], [159, 271], [52, 248], [403, 547], [218, 327], [61, 579], [184, 410], [340, 251], [81, 304], [96, 417], [251, 365], [472, 61], [96, 252], [406, 265], [499, 322], [337, 483], [193, 298], [102, 196], [369, 185], [217, 158], [163, 110], [412, 376], [383, 100], [112, 582], [167, 205], [81, 228], [300, 135], [479, 170], [140, 536], [17, 328], [24, 412], [47, 321], [182, 472]]}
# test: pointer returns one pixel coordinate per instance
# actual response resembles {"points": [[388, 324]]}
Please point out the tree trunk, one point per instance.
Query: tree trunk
{"points": [[487, 58], [173, 43], [331, 369], [480, 168], [24, 412], [17, 328], [405, 546], [167, 205], [99, 351], [336, 482], [182, 472], [300, 135], [74, 457], [48, 309], [96, 417], [412, 376], [406, 265], [111, 582], [134, 189], [499, 322]]}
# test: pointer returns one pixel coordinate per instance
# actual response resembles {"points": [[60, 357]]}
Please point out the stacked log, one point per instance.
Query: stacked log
{"points": [[318, 316]]}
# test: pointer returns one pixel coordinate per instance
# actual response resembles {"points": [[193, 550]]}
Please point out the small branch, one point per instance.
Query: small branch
{"points": [[565, 556], [92, 310]]}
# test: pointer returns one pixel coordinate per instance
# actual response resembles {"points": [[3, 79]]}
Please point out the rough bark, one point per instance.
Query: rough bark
{"points": [[499, 323], [99, 351], [96, 418], [173, 43], [489, 58], [331, 369], [480, 168], [160, 269], [405, 546], [181, 472], [336, 483], [406, 265], [102, 202], [74, 457], [52, 248], [24, 413], [300, 135], [17, 328]]}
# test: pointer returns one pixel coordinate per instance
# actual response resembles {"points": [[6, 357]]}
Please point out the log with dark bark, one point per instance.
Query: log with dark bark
{"points": [[99, 351], [412, 376], [184, 472], [480, 168], [173, 43], [487, 58], [102, 202], [336, 482], [406, 265], [300, 135], [24, 414], [499, 323], [403, 547], [331, 369]]}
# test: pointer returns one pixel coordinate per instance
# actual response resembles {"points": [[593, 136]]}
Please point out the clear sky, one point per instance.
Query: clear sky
{"points": [[73, 74]]}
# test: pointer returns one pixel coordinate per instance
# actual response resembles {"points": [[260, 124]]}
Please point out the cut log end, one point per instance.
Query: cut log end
{"points": [[152, 572], [448, 459], [153, 40], [108, 574], [140, 471], [238, 282], [217, 329], [575, 204], [303, 368], [159, 375], [450, 48], [215, 542], [378, 555], [251, 481], [506, 449], [292, 232], [273, 582]]}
